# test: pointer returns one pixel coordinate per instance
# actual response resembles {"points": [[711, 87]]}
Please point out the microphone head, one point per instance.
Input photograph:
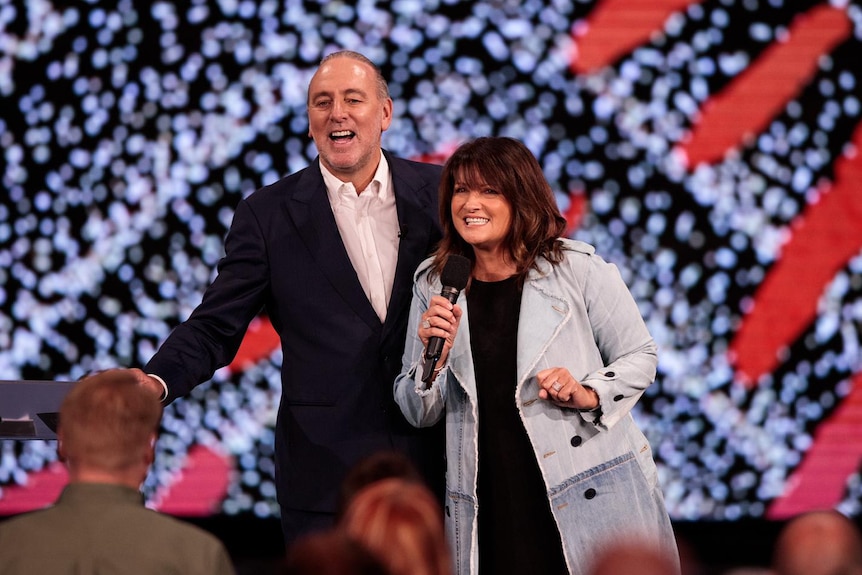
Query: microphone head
{"points": [[456, 272]]}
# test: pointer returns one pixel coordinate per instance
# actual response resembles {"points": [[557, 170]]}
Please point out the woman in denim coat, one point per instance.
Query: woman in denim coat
{"points": [[545, 353]]}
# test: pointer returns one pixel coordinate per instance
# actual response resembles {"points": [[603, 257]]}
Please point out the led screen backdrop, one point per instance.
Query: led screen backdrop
{"points": [[710, 149]]}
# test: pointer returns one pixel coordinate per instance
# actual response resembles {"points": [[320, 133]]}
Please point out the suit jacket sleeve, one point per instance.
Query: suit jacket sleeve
{"points": [[209, 339]]}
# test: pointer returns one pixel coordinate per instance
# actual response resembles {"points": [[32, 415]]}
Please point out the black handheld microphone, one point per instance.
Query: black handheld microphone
{"points": [[454, 278]]}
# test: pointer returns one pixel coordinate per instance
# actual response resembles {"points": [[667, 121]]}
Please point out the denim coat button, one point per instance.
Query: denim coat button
{"points": [[590, 493], [576, 441], [618, 397], [609, 374]]}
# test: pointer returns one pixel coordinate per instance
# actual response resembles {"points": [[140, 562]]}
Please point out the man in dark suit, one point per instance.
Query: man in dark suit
{"points": [[329, 253]]}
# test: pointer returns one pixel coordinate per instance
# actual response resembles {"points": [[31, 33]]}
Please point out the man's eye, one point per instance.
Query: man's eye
{"points": [[322, 104]]}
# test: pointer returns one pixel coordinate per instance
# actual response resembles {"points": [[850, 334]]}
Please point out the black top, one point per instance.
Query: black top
{"points": [[517, 533]]}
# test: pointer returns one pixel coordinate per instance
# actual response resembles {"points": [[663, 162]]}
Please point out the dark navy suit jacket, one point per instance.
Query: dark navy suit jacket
{"points": [[284, 255]]}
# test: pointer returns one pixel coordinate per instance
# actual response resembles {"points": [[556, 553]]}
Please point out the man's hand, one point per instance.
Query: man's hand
{"points": [[149, 382]]}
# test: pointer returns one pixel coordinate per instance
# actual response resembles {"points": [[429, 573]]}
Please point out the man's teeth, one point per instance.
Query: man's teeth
{"points": [[476, 220], [342, 134]]}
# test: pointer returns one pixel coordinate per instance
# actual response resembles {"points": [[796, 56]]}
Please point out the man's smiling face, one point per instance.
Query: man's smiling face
{"points": [[347, 117]]}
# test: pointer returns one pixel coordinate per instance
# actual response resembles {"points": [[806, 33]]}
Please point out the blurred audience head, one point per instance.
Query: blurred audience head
{"points": [[632, 557], [818, 543], [330, 553], [401, 522], [107, 428], [382, 465]]}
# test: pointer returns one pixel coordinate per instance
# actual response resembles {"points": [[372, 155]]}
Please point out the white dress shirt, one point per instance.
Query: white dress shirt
{"points": [[368, 223]]}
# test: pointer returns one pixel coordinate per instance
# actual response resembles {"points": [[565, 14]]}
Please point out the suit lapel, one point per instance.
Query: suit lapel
{"points": [[310, 211], [416, 229]]}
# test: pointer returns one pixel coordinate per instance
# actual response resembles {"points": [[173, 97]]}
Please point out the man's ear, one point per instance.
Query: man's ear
{"points": [[61, 451], [151, 450], [387, 115]]}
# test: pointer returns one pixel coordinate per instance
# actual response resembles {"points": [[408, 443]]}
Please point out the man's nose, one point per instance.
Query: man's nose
{"points": [[339, 110]]}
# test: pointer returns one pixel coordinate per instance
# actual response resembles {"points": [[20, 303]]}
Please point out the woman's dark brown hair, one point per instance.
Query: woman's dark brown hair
{"points": [[509, 167]]}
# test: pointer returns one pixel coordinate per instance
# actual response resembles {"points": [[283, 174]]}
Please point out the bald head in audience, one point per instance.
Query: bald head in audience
{"points": [[819, 543]]}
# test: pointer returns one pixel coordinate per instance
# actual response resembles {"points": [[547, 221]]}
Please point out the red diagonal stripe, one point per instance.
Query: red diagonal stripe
{"points": [[199, 488], [615, 27], [41, 490], [260, 342], [745, 108], [820, 481], [575, 212], [823, 240]]}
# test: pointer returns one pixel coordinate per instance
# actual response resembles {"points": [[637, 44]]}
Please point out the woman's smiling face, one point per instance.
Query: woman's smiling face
{"points": [[482, 215]]}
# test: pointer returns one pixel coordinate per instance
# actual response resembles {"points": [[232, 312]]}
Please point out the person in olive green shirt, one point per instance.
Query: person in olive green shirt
{"points": [[107, 431]]}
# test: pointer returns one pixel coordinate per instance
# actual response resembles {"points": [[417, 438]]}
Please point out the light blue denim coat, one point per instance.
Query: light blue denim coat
{"points": [[598, 468]]}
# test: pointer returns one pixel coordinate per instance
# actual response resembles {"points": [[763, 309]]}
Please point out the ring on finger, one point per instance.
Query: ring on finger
{"points": [[557, 386], [426, 324]]}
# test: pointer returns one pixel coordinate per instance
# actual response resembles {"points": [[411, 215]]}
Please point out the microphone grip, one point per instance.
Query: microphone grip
{"points": [[428, 366], [435, 344]]}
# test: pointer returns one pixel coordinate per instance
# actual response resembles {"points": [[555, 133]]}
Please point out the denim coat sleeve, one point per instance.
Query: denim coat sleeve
{"points": [[579, 314], [628, 351], [421, 407]]}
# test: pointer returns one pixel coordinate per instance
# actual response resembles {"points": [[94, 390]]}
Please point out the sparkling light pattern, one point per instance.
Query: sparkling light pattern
{"points": [[130, 130]]}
